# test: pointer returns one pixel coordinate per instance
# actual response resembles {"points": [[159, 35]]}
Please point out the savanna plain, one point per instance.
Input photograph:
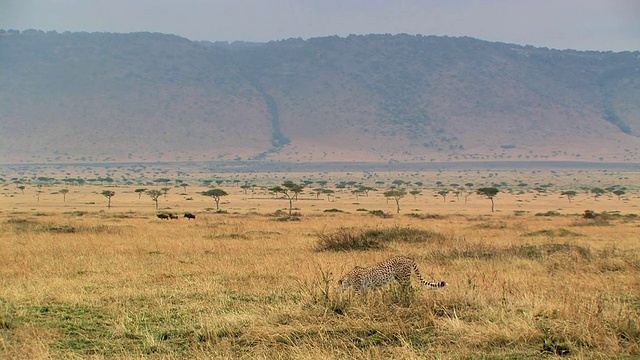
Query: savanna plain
{"points": [[246, 279]]}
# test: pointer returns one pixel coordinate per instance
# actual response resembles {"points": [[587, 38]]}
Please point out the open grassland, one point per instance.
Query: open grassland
{"points": [[78, 280]]}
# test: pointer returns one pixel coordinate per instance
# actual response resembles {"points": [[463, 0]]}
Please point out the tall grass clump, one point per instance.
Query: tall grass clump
{"points": [[345, 239]]}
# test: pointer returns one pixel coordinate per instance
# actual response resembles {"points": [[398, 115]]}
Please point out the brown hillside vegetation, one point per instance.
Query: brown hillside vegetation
{"points": [[79, 97], [535, 278]]}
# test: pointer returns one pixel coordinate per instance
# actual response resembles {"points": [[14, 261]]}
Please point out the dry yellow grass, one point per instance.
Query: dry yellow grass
{"points": [[78, 280]]}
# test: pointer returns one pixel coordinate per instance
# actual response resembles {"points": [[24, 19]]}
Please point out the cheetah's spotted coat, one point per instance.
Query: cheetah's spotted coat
{"points": [[394, 269]]}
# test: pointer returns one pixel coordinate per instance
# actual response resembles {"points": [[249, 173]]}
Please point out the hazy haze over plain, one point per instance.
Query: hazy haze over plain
{"points": [[563, 24]]}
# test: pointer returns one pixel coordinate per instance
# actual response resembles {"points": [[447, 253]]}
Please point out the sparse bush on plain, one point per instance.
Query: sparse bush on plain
{"points": [[553, 233], [426, 216], [491, 225], [380, 213], [598, 221], [405, 234], [344, 239], [549, 213], [526, 251]]}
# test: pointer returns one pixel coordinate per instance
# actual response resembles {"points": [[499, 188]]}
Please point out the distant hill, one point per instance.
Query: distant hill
{"points": [[93, 97]]}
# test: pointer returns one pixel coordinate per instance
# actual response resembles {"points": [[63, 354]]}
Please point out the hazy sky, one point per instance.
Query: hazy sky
{"points": [[576, 24]]}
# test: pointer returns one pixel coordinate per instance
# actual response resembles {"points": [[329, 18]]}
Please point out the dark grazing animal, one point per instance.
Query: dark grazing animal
{"points": [[163, 216], [173, 216], [190, 216]]}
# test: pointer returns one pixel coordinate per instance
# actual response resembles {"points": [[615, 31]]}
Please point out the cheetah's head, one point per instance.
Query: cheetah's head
{"points": [[347, 280]]}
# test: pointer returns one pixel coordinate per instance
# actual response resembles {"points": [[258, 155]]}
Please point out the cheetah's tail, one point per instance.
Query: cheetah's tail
{"points": [[431, 284]]}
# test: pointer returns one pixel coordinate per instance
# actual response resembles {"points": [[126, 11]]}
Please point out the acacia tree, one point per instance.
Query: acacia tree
{"points": [[165, 190], [366, 189], [357, 193], [443, 193], [290, 190], [139, 191], [64, 194], [415, 193], [164, 181], [215, 194], [570, 194], [328, 192], [154, 195], [597, 192], [618, 193], [396, 194], [489, 192], [108, 194]]}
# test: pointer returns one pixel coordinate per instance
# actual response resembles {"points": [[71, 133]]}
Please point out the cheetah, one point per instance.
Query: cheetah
{"points": [[397, 268]]}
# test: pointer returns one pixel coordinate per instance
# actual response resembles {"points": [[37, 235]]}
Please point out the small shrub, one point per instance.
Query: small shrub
{"points": [[553, 233], [592, 222], [18, 221], [334, 210], [67, 229], [539, 251], [345, 239], [380, 213], [549, 213], [491, 225], [527, 251], [405, 234], [426, 216], [288, 218]]}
